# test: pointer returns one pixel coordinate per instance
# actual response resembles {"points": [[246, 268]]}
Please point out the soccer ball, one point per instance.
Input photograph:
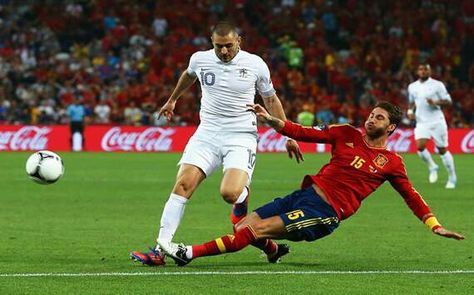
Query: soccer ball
{"points": [[45, 167]]}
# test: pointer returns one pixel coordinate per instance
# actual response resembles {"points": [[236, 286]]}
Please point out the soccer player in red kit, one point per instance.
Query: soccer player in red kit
{"points": [[360, 163]]}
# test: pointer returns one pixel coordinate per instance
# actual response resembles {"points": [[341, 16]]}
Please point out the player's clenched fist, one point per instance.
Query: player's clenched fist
{"points": [[167, 110]]}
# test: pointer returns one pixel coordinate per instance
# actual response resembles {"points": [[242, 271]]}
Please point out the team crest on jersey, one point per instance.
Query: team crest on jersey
{"points": [[243, 73], [380, 161]]}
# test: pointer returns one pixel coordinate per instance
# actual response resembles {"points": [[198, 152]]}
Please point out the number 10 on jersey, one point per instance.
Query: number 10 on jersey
{"points": [[208, 78]]}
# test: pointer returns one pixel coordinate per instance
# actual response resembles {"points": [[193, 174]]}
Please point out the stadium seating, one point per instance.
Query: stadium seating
{"points": [[336, 56]]}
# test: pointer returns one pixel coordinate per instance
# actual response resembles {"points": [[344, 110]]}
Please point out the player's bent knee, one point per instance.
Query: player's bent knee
{"points": [[250, 219], [240, 225], [263, 228], [184, 188], [230, 195], [421, 148]]}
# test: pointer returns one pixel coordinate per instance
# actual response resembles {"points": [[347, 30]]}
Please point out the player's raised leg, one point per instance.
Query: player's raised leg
{"points": [[239, 158], [234, 189], [187, 180]]}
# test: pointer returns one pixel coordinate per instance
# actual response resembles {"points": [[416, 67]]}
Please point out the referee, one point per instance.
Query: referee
{"points": [[76, 113]]}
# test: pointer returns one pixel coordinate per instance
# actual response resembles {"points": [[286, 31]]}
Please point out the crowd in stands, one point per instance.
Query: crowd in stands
{"points": [[330, 60]]}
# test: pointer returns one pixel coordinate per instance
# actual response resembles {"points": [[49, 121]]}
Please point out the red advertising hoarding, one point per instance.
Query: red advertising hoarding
{"points": [[174, 139]]}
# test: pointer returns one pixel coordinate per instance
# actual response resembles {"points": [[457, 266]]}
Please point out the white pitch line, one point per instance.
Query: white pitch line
{"points": [[218, 273]]}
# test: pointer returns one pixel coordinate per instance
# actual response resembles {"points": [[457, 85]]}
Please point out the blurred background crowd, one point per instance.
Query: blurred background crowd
{"points": [[330, 61]]}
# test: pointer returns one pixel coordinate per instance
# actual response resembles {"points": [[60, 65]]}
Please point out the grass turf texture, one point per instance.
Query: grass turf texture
{"points": [[109, 204]]}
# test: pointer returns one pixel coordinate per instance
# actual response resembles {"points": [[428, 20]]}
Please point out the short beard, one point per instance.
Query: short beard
{"points": [[377, 133]]}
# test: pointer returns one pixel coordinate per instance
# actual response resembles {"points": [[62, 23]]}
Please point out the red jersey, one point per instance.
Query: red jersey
{"points": [[355, 169]]}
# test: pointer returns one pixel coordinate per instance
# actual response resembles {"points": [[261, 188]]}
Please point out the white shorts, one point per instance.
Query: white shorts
{"points": [[209, 150], [438, 131]]}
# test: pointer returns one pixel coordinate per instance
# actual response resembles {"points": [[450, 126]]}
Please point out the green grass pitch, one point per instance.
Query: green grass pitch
{"points": [[108, 204]]}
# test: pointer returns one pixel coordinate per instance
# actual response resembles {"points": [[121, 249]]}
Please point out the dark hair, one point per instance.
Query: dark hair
{"points": [[424, 64], [224, 28], [394, 112]]}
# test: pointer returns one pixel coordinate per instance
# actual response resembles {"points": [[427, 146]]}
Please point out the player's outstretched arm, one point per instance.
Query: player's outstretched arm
{"points": [[273, 104], [418, 206], [184, 82], [290, 129]]}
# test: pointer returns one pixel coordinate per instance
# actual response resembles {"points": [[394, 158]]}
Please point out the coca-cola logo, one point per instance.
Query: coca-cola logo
{"points": [[400, 140], [271, 141], [25, 138], [467, 144], [150, 140]]}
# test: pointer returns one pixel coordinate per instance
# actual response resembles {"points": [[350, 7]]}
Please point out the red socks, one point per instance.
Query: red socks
{"points": [[228, 243], [267, 246], [239, 211]]}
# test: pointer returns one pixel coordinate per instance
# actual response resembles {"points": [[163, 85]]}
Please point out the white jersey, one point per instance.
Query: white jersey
{"points": [[227, 89], [419, 92]]}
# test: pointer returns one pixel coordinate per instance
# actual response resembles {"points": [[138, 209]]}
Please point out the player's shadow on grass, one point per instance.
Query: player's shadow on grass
{"points": [[249, 266], [303, 264], [257, 265]]}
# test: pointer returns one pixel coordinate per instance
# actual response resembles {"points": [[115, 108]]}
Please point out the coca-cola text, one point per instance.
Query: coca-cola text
{"points": [[25, 138], [174, 139], [149, 140]]}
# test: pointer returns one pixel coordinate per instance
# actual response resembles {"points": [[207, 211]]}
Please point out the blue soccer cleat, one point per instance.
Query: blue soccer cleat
{"points": [[152, 258]]}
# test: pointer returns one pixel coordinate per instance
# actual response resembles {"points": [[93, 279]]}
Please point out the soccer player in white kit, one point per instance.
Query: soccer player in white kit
{"points": [[426, 97], [227, 135]]}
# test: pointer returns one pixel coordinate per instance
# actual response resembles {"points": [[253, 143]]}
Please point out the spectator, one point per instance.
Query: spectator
{"points": [[160, 25], [132, 114], [306, 117], [4, 109], [47, 113], [325, 115], [102, 113]]}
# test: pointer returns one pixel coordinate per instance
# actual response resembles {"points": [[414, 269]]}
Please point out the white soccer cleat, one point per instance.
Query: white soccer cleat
{"points": [[175, 251], [433, 174], [451, 184]]}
